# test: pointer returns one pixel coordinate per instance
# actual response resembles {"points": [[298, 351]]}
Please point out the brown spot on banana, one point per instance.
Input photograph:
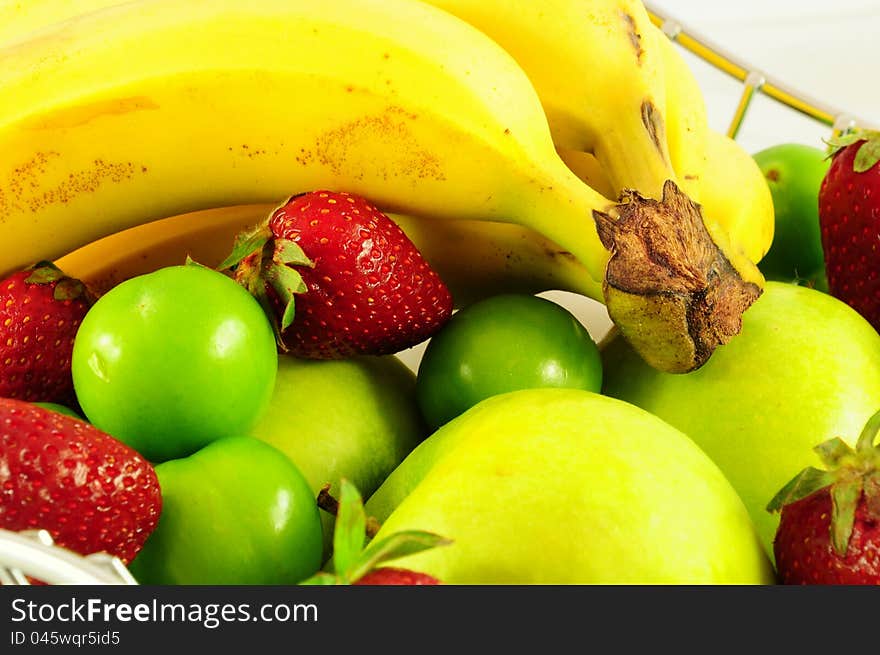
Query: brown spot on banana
{"points": [[342, 149], [634, 37], [669, 289], [652, 119], [27, 189]]}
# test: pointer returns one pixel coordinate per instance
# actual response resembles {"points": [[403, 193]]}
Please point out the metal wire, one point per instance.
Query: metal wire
{"points": [[32, 554], [753, 79]]}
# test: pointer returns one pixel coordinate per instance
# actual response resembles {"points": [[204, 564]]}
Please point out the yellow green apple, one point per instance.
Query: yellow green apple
{"points": [[805, 368], [355, 418], [566, 486]]}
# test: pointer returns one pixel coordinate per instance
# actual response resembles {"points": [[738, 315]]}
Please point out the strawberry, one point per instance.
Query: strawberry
{"points": [[829, 528], [40, 312], [91, 492], [390, 575], [361, 286], [356, 560], [849, 218]]}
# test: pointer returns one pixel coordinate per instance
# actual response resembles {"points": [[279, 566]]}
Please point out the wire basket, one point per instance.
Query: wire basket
{"points": [[753, 80], [31, 555]]}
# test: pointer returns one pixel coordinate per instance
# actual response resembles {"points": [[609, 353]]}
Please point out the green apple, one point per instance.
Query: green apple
{"points": [[794, 173], [805, 368], [355, 418], [566, 486]]}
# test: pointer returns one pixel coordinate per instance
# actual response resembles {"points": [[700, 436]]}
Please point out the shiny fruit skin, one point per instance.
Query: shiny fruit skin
{"points": [[353, 418], [41, 310], [504, 343], [396, 576], [564, 486], [849, 216], [794, 173], [171, 360], [235, 512], [804, 551], [805, 368], [91, 492]]}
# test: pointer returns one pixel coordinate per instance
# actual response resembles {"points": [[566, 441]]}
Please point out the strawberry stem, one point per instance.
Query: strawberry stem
{"points": [[330, 505]]}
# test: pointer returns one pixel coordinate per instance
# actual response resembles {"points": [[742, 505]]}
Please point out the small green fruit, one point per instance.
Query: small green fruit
{"points": [[236, 512], [61, 409], [504, 343], [794, 173]]}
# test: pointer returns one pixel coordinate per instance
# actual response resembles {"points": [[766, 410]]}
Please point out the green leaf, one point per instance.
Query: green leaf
{"points": [[283, 277], [44, 272], [844, 498], [286, 281], [833, 451], [865, 444], [350, 530], [805, 483], [868, 154], [844, 140], [68, 289], [395, 546], [288, 251], [257, 290], [321, 579], [246, 243]]}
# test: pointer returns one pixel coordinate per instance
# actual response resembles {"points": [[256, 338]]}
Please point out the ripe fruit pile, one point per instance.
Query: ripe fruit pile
{"points": [[231, 358]]}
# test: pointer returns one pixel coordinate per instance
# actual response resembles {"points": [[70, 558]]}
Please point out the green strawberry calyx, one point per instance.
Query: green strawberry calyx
{"points": [[354, 555], [852, 474], [66, 287], [259, 260], [868, 152]]}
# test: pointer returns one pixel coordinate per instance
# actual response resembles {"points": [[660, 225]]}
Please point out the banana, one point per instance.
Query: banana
{"points": [[476, 259], [750, 217], [714, 170], [611, 84], [164, 107], [687, 121], [571, 67], [598, 74]]}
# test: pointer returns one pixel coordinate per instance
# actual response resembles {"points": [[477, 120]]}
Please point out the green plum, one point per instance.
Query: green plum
{"points": [[236, 512], [171, 360], [61, 409], [794, 173], [504, 343], [565, 486], [805, 368], [355, 418]]}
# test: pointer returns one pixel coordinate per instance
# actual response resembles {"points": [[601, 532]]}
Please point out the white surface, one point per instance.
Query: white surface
{"points": [[825, 49]]}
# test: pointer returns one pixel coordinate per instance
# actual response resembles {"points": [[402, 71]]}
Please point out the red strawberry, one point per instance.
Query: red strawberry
{"points": [[90, 491], [390, 575], [40, 312], [829, 530], [362, 287], [849, 217]]}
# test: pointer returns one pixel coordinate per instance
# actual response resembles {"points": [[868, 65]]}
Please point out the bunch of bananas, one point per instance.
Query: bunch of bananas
{"points": [[522, 146]]}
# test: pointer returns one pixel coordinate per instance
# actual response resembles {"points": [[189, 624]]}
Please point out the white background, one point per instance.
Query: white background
{"points": [[826, 49]]}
